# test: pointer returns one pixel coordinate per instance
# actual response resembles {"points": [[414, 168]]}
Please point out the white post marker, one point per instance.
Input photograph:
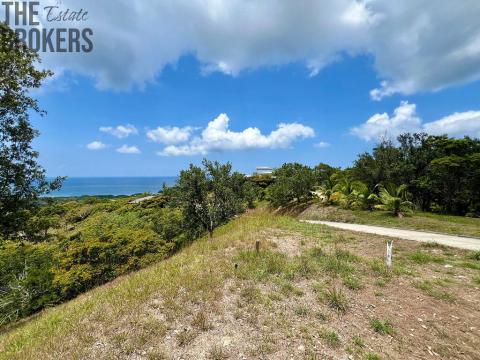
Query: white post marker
{"points": [[388, 258]]}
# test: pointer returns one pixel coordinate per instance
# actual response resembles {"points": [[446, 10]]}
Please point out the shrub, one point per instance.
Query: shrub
{"points": [[293, 184], [26, 280]]}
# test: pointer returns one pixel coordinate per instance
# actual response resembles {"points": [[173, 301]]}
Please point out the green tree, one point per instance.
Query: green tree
{"points": [[394, 198], [22, 180], [327, 189], [209, 197], [382, 166], [323, 172], [294, 182], [347, 191]]}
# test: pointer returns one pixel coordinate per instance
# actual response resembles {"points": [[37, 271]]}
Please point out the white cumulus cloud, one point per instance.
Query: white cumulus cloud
{"points": [[170, 135], [416, 45], [457, 124], [405, 119], [125, 149], [96, 145], [120, 131], [218, 137]]}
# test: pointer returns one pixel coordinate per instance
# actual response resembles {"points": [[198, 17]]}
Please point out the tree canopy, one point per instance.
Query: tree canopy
{"points": [[22, 179]]}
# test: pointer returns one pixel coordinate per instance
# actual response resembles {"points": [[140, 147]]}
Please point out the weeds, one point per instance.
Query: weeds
{"points": [[382, 327], [262, 265], [336, 299], [217, 353], [352, 283], [301, 310], [372, 356], [429, 288], [330, 337], [200, 321], [421, 257], [358, 341], [474, 256], [185, 337]]}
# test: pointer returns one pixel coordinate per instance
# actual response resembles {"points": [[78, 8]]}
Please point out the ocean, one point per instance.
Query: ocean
{"points": [[82, 186]]}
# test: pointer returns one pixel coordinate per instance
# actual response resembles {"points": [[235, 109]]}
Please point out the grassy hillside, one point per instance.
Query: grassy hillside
{"points": [[448, 224], [311, 292]]}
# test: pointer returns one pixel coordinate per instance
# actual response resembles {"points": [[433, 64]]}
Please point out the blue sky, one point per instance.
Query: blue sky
{"points": [[164, 99]]}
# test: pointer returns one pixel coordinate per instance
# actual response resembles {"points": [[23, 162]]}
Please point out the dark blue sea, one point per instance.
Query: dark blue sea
{"points": [[82, 186]]}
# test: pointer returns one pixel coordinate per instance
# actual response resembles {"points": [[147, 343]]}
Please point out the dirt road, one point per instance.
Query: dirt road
{"points": [[448, 240]]}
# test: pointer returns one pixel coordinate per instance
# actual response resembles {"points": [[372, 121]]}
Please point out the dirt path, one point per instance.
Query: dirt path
{"points": [[448, 240]]}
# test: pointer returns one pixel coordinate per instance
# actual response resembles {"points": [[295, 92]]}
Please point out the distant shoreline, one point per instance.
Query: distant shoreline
{"points": [[74, 187]]}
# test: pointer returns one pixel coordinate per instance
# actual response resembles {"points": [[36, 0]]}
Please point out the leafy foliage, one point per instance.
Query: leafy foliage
{"points": [[441, 173], [84, 251], [22, 180], [294, 183], [209, 197], [393, 199]]}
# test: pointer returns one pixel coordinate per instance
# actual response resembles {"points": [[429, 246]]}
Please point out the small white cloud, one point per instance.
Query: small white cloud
{"points": [[96, 145], [170, 135], [322, 145], [125, 149], [120, 131], [405, 119], [218, 137]]}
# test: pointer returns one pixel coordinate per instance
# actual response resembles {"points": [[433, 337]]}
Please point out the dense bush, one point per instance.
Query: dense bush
{"points": [[293, 184], [441, 173], [210, 196], [70, 246], [26, 279], [92, 243]]}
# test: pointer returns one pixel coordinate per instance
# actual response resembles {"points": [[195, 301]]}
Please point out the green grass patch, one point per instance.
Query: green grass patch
{"points": [[353, 283], [429, 288], [336, 299], [372, 356], [382, 326], [358, 341], [263, 265], [422, 257], [331, 337]]}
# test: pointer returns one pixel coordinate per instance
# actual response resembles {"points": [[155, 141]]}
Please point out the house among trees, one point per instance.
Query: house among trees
{"points": [[261, 170]]}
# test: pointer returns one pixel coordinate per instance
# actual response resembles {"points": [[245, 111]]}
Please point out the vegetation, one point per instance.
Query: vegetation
{"points": [[191, 304], [394, 199], [293, 184], [209, 197], [85, 243], [22, 180], [382, 327], [441, 173], [427, 173]]}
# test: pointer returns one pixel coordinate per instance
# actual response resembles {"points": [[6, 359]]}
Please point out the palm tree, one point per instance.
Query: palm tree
{"points": [[326, 190], [364, 199], [346, 191], [394, 199]]}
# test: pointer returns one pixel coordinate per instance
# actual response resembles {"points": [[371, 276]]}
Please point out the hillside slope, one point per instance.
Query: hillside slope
{"points": [[311, 292]]}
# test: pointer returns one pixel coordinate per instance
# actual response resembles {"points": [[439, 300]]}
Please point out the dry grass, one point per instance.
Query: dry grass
{"points": [[311, 292]]}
